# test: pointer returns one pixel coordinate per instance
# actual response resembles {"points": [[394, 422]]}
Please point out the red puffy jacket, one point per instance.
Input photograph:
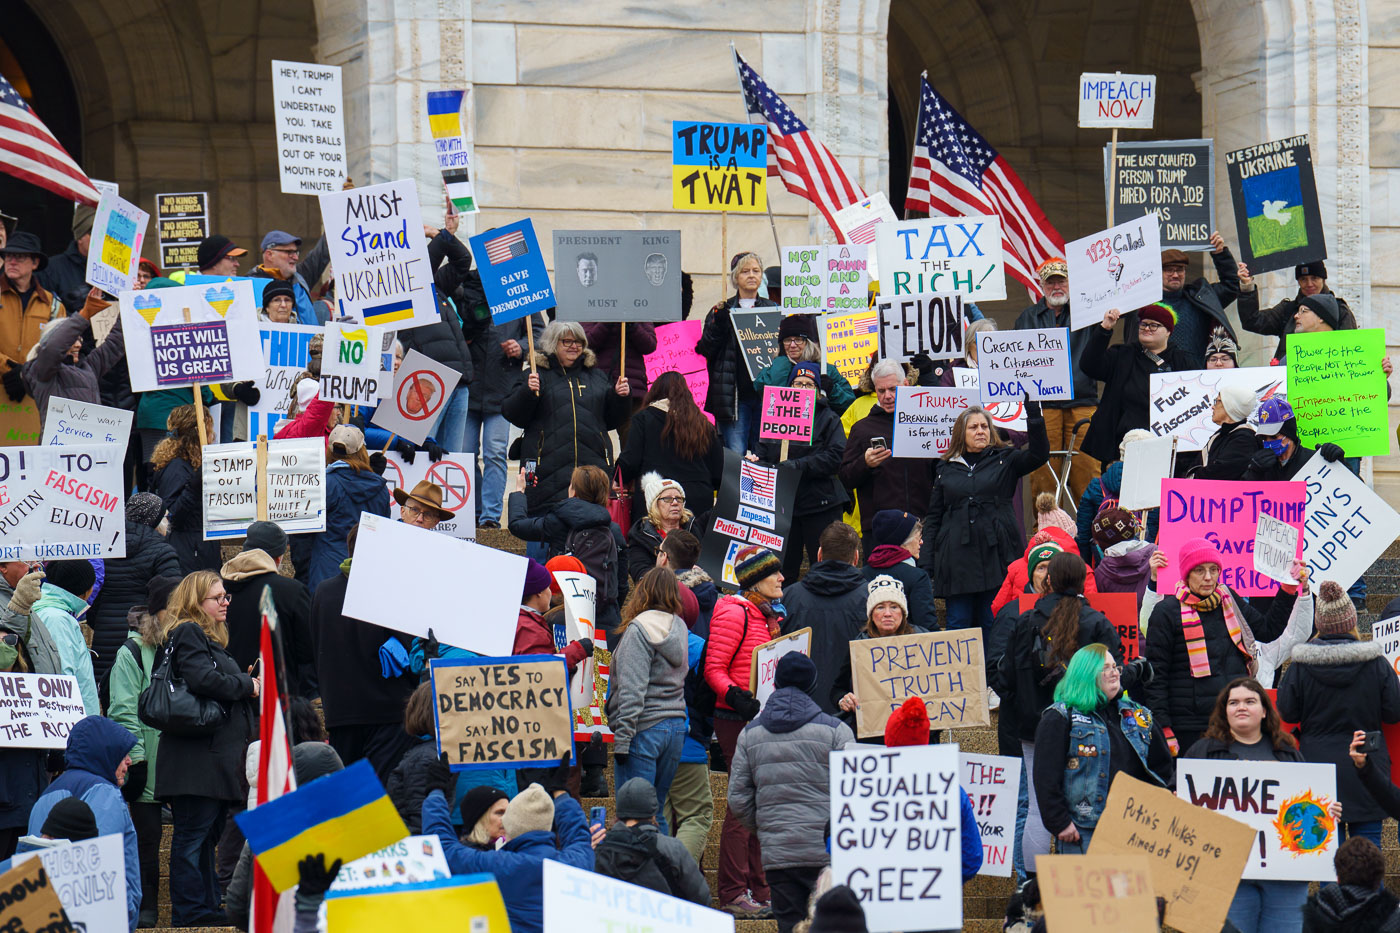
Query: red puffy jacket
{"points": [[1017, 576], [312, 421], [737, 627], [533, 636]]}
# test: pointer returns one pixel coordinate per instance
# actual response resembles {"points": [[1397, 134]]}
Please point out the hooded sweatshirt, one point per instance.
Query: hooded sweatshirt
{"points": [[1125, 568], [830, 600], [1338, 907], [58, 610], [648, 676]]}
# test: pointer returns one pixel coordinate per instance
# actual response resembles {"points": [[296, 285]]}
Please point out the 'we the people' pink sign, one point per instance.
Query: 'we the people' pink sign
{"points": [[786, 414]]}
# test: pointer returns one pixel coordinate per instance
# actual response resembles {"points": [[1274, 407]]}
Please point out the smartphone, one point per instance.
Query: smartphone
{"points": [[1371, 744], [878, 443], [597, 816]]}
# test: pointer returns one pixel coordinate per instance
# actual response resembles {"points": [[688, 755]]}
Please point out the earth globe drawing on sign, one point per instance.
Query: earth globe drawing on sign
{"points": [[1304, 826]]}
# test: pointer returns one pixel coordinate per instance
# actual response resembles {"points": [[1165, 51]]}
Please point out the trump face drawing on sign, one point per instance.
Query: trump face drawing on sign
{"points": [[655, 269], [587, 270]]}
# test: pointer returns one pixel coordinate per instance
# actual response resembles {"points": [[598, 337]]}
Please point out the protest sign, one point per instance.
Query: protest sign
{"points": [[437, 570], [719, 167], [31, 904], [19, 422], [182, 221], [513, 273], [896, 829], [70, 421], [1196, 856], [618, 275], [992, 783], [786, 414], [1338, 391], [286, 351], [450, 147], [819, 278], [90, 878], [850, 339], [382, 274], [1016, 364], [1182, 401], [470, 902], [1009, 415], [62, 502], [588, 687], [924, 419], [1275, 548], [1174, 179], [511, 712], [1227, 513], [115, 250], [421, 388], [1274, 196], [309, 115], [857, 222], [1386, 633], [757, 333], [578, 901], [763, 668], [1096, 893], [453, 474], [411, 860], [191, 335], [929, 324], [1121, 610], [1348, 526], [1145, 464], [37, 710], [258, 284], [296, 486], [675, 352], [946, 255], [1120, 267], [945, 668], [1117, 100], [350, 362], [754, 507], [1284, 802]]}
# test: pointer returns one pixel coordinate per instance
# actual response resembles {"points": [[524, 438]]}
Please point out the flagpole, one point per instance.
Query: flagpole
{"points": [[904, 208], [739, 76]]}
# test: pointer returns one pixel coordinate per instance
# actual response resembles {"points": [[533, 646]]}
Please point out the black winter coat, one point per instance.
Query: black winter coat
{"points": [[729, 376], [293, 604], [1210, 299], [1040, 316], [180, 487], [1182, 702], [902, 483], [1029, 685], [1228, 452], [647, 451], [407, 784], [970, 533], [830, 600], [495, 375], [148, 555], [566, 425], [207, 765], [1278, 320], [1206, 747], [1351, 909], [644, 540], [817, 464], [444, 342], [1124, 371], [1335, 686], [353, 690], [844, 684]]}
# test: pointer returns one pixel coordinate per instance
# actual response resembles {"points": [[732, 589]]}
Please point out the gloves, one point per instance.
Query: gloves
{"points": [[404, 449], [432, 648], [741, 702], [826, 383], [378, 462], [557, 779], [619, 759], [437, 775], [585, 643], [315, 878], [26, 592], [1172, 744], [136, 775], [1331, 452], [435, 452], [14, 383], [246, 392], [1264, 460], [1137, 673], [1032, 407]]}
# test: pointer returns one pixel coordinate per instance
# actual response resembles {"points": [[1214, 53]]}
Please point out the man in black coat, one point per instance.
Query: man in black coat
{"points": [[831, 601], [245, 576], [1279, 320], [1199, 305]]}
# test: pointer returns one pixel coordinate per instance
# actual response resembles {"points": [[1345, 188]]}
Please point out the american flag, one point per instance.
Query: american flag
{"points": [[30, 152], [956, 173], [755, 480], [807, 167], [865, 233], [506, 246]]}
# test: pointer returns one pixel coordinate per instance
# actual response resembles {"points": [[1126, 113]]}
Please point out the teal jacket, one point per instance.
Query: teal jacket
{"points": [[839, 398], [126, 681], [58, 610]]}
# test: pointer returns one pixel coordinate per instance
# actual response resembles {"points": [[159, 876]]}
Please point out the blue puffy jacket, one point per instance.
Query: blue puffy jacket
{"points": [[348, 493], [971, 839]]}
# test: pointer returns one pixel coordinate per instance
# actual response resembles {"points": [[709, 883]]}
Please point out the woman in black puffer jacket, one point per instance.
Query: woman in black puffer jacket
{"points": [[408, 782], [731, 395], [147, 556]]}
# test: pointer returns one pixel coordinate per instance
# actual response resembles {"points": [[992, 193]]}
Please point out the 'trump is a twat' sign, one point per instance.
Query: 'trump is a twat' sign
{"points": [[58, 502]]}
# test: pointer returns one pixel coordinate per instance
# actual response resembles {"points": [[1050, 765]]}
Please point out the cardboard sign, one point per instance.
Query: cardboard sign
{"points": [[947, 669], [37, 710], [411, 860], [857, 223], [1016, 364], [1117, 100], [296, 486], [850, 339], [754, 507], [719, 167], [787, 414], [757, 333], [191, 335], [437, 570], [69, 421], [19, 423], [350, 362], [1009, 415], [450, 147], [1227, 512], [1145, 465], [618, 275], [62, 502], [453, 474], [1103, 893], [1285, 803], [1196, 856], [382, 274], [182, 221], [992, 783], [513, 273], [1174, 179], [1121, 609], [588, 687], [309, 115], [929, 324], [421, 389], [31, 904], [1275, 200], [1275, 547], [115, 246], [1120, 267], [924, 419], [1348, 526], [675, 352], [763, 668], [1182, 401], [578, 901], [90, 878], [819, 279], [1338, 391], [472, 902], [896, 831], [947, 255], [286, 352], [511, 712]]}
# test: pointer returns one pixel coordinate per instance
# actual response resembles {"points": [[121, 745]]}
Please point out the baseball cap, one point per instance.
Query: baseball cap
{"points": [[279, 238], [215, 247], [1271, 415], [347, 436]]}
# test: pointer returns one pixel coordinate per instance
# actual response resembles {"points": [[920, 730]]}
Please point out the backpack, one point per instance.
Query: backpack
{"points": [[104, 686], [700, 697], [629, 853], [597, 550]]}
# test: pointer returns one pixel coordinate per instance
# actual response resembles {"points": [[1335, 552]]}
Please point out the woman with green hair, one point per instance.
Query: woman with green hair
{"points": [[1091, 734]]}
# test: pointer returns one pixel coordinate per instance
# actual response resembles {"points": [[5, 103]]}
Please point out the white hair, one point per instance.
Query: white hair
{"points": [[888, 367], [549, 339], [739, 264]]}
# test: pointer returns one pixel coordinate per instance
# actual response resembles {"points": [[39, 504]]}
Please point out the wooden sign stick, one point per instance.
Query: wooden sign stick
{"points": [[783, 452], [530, 333], [262, 477], [198, 404], [724, 256]]}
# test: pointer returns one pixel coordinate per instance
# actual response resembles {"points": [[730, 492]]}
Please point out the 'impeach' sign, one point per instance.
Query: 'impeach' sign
{"points": [[719, 167], [945, 668], [503, 712]]}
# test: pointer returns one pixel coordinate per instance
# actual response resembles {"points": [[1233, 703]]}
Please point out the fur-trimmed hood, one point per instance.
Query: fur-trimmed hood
{"points": [[1335, 653], [587, 359]]}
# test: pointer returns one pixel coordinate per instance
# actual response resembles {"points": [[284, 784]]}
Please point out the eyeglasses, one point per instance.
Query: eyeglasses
{"points": [[1150, 326], [289, 252], [570, 342], [671, 500], [221, 599], [794, 341], [412, 510]]}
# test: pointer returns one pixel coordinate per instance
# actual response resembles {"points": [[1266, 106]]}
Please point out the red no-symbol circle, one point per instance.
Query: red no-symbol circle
{"points": [[427, 398], [455, 481]]}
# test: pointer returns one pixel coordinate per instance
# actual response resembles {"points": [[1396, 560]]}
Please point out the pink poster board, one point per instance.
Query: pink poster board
{"points": [[1227, 514], [786, 414], [675, 350]]}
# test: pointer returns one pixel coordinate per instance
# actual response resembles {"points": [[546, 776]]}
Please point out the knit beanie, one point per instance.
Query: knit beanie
{"points": [[83, 216], [806, 368], [892, 526], [1238, 402], [1325, 307], [908, 725], [636, 800], [1221, 342], [795, 669], [885, 589], [654, 484], [1197, 551], [537, 579], [1113, 526], [1335, 613], [838, 911], [1048, 514], [70, 819], [1038, 556], [275, 288], [267, 537], [158, 592], [73, 576], [1159, 312], [753, 563], [532, 810], [145, 508], [477, 801], [562, 563], [798, 325], [312, 760]]}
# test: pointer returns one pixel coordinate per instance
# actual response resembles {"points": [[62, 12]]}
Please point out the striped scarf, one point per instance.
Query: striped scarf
{"points": [[1191, 629]]}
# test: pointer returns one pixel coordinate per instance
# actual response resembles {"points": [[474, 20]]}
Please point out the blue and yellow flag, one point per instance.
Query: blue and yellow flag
{"points": [[345, 815], [462, 902]]}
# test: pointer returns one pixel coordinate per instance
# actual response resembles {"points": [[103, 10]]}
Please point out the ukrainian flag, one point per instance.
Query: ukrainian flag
{"points": [[444, 108], [462, 902], [345, 815], [390, 313]]}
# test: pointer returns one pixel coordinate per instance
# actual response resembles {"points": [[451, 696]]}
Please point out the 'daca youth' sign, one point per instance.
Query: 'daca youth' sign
{"points": [[1012, 364]]}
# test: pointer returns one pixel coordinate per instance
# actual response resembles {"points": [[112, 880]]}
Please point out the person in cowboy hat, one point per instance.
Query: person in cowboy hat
{"points": [[423, 506], [25, 307]]}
